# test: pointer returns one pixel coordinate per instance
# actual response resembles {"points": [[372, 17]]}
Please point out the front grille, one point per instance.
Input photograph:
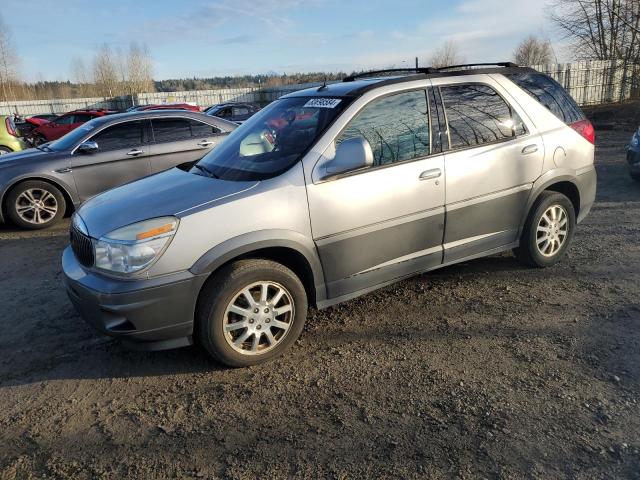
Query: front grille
{"points": [[82, 247]]}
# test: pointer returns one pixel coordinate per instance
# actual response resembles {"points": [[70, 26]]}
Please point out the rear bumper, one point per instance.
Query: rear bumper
{"points": [[587, 184], [150, 314]]}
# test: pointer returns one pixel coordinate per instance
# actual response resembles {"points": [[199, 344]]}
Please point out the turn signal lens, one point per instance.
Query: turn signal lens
{"points": [[155, 231]]}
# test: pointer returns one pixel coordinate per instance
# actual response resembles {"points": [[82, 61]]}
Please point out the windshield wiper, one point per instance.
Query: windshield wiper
{"points": [[44, 148], [204, 169]]}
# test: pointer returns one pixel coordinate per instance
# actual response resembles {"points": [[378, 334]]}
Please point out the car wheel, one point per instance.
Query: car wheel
{"points": [[250, 311], [5, 150], [35, 204], [635, 176], [548, 231]]}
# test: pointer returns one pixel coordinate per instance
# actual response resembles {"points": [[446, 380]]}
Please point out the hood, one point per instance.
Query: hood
{"points": [[32, 154], [173, 192]]}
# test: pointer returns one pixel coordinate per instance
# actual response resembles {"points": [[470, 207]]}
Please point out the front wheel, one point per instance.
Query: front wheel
{"points": [[251, 311], [35, 204], [548, 231]]}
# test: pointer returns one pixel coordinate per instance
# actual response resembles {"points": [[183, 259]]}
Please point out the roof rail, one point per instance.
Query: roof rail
{"points": [[351, 78], [467, 65]]}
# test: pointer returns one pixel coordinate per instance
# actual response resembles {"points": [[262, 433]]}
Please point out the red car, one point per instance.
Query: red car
{"points": [[166, 106], [62, 125]]}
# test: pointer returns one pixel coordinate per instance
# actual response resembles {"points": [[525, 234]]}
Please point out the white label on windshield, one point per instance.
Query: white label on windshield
{"points": [[322, 103]]}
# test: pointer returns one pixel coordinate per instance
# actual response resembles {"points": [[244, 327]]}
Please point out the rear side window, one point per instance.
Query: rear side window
{"points": [[550, 94], [122, 135], [397, 127], [175, 129], [81, 117], [477, 114]]}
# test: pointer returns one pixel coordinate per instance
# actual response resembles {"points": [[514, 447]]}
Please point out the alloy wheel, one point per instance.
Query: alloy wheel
{"points": [[36, 206], [258, 318], [552, 230]]}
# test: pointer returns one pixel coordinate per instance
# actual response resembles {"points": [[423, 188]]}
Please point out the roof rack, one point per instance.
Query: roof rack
{"points": [[351, 78], [470, 65]]}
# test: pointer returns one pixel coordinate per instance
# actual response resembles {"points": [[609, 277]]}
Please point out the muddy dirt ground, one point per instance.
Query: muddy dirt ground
{"points": [[482, 370]]}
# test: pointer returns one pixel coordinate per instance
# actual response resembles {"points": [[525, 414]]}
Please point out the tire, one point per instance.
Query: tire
{"points": [[635, 176], [222, 296], [553, 244], [5, 150], [48, 201]]}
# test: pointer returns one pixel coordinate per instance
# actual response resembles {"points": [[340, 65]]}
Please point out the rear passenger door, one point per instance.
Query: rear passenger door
{"points": [[492, 162], [122, 157], [178, 140]]}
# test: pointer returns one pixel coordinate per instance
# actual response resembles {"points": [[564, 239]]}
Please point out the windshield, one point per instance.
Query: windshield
{"points": [[273, 140], [70, 140]]}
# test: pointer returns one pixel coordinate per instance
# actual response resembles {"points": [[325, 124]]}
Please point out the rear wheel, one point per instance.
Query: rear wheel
{"points": [[5, 150], [251, 311], [35, 204], [548, 231]]}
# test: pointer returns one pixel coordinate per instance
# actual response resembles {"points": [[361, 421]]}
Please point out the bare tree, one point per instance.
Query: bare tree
{"points": [[80, 76], [8, 62], [105, 72], [447, 55], [140, 69], [601, 29], [534, 51]]}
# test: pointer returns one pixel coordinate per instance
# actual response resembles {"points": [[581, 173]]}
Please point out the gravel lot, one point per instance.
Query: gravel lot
{"points": [[482, 370]]}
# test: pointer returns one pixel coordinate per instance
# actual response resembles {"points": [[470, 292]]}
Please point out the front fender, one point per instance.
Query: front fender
{"points": [[249, 242]]}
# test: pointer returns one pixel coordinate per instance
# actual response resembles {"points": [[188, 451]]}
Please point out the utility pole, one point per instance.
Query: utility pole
{"points": [[416, 63]]}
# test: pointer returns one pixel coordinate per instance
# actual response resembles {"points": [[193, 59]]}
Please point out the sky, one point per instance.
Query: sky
{"points": [[207, 38]]}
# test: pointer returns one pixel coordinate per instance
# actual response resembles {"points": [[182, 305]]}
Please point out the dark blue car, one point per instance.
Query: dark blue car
{"points": [[633, 156]]}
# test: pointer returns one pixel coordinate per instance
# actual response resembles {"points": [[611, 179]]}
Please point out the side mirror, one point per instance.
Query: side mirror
{"points": [[352, 154], [88, 147]]}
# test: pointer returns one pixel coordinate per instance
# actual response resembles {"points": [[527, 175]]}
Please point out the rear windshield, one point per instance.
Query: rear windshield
{"points": [[273, 140], [550, 94]]}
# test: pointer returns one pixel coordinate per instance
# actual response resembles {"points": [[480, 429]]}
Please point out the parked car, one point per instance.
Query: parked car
{"points": [[39, 185], [327, 194], [165, 106], [633, 156], [28, 124], [234, 112], [10, 140], [63, 124]]}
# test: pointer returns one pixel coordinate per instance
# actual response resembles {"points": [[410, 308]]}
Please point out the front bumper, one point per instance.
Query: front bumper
{"points": [[149, 314]]}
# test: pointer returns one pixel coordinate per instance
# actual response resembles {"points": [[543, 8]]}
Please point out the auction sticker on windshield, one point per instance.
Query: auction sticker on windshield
{"points": [[322, 103]]}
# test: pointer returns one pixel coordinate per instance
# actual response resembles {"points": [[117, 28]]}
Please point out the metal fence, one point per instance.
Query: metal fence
{"points": [[590, 82], [595, 82], [203, 98]]}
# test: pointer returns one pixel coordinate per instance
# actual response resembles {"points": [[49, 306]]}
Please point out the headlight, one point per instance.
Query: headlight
{"points": [[134, 247]]}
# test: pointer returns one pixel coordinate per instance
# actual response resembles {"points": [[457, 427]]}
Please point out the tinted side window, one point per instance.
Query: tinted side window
{"points": [[122, 135], [200, 129], [550, 94], [81, 117], [171, 129], [476, 115], [397, 127], [66, 120], [240, 111]]}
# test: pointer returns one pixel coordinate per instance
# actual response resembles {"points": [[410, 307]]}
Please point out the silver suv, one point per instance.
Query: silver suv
{"points": [[330, 193]]}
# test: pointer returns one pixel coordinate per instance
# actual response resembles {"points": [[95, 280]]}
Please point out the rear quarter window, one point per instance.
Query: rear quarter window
{"points": [[550, 94]]}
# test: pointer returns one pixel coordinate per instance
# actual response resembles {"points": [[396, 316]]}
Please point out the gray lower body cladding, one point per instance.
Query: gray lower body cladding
{"points": [[158, 312]]}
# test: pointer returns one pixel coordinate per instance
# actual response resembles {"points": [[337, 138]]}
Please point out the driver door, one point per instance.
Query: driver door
{"points": [[387, 221], [122, 156]]}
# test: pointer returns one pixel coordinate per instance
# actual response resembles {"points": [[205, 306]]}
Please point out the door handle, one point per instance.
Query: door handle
{"points": [[529, 149], [430, 174], [205, 143], [135, 152]]}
